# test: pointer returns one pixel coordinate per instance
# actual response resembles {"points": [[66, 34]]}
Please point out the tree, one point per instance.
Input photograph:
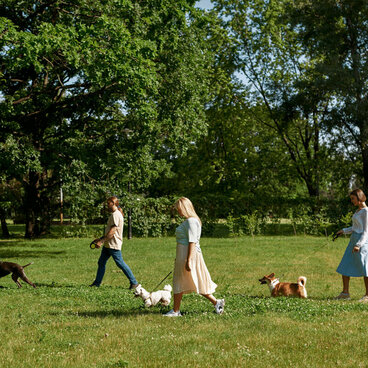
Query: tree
{"points": [[279, 76], [335, 33], [240, 165], [92, 94]]}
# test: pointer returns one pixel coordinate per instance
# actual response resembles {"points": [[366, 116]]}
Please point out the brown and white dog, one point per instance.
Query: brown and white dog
{"points": [[278, 288]]}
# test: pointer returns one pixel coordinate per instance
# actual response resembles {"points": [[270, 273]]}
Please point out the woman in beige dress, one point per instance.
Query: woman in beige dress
{"points": [[190, 272]]}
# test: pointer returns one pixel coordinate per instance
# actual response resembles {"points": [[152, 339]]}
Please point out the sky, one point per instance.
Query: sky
{"points": [[204, 4]]}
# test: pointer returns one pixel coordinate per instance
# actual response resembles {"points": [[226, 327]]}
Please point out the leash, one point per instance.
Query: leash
{"points": [[334, 237], [162, 280]]}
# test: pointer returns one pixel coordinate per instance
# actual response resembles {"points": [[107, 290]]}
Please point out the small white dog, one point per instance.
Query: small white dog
{"points": [[151, 299]]}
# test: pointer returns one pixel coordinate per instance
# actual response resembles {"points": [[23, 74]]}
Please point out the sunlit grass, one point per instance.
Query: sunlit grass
{"points": [[64, 323]]}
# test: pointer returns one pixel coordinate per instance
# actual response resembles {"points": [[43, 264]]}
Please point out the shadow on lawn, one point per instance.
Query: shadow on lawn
{"points": [[120, 313], [22, 244], [7, 251], [54, 285]]}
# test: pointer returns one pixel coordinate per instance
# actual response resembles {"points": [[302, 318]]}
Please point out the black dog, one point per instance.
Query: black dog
{"points": [[16, 270]]}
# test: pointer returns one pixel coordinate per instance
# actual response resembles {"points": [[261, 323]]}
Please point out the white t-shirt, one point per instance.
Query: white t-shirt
{"points": [[360, 226], [115, 219]]}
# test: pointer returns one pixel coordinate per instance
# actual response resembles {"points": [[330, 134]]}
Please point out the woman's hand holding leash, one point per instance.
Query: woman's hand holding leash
{"points": [[337, 234]]}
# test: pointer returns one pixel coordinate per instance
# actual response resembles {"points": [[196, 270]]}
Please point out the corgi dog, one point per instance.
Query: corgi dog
{"points": [[278, 288]]}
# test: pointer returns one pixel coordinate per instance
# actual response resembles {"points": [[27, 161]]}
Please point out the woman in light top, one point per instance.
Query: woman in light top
{"points": [[354, 263], [190, 272]]}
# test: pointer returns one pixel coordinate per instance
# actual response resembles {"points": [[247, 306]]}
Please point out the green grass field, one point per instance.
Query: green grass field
{"points": [[64, 323]]}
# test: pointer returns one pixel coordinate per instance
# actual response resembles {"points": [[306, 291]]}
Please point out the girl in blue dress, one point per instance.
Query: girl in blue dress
{"points": [[354, 262], [190, 271]]}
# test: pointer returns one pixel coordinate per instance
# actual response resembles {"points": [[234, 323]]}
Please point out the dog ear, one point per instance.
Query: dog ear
{"points": [[271, 275]]}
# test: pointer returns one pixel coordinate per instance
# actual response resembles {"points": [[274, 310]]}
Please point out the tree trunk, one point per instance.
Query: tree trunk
{"points": [[37, 205], [4, 226], [365, 167], [31, 205]]}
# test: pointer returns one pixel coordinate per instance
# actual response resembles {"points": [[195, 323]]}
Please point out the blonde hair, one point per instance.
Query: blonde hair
{"points": [[186, 208]]}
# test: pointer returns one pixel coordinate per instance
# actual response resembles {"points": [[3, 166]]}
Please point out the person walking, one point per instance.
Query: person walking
{"points": [[112, 242], [354, 262], [190, 271]]}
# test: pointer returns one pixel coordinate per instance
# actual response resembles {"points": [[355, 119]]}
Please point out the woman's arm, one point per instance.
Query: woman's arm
{"points": [[364, 236], [193, 237], [191, 247], [347, 230]]}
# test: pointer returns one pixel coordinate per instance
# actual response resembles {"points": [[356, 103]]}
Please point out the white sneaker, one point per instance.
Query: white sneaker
{"points": [[219, 307], [364, 299], [172, 313]]}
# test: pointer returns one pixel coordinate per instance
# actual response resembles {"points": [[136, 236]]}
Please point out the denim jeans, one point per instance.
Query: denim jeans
{"points": [[106, 253]]}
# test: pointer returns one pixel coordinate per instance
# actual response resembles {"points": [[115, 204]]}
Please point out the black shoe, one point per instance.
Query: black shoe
{"points": [[133, 286], [93, 284]]}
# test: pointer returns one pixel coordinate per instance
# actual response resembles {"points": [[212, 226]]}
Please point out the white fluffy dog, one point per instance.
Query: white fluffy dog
{"points": [[151, 299]]}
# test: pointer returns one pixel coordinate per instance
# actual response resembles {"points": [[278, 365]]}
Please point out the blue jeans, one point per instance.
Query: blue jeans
{"points": [[106, 253]]}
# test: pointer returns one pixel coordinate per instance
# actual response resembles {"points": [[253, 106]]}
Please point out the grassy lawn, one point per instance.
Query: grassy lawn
{"points": [[64, 323]]}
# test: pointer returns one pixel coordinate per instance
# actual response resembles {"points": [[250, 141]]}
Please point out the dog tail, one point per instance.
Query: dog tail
{"points": [[302, 280], [27, 264]]}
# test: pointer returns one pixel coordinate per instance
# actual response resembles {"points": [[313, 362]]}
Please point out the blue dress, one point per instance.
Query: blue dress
{"points": [[356, 264]]}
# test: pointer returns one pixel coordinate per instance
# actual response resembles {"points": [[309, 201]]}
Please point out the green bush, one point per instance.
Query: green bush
{"points": [[152, 216], [250, 224]]}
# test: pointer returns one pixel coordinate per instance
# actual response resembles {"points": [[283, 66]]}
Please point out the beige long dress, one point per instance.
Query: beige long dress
{"points": [[198, 279]]}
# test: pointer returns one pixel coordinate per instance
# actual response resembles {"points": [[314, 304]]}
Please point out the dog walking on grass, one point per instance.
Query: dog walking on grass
{"points": [[17, 271], [278, 288]]}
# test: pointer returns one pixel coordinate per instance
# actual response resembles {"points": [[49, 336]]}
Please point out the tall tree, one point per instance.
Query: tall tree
{"points": [[240, 165], [92, 92], [278, 74], [335, 33]]}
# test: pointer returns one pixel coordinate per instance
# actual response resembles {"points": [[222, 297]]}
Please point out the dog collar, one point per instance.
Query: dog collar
{"points": [[274, 282]]}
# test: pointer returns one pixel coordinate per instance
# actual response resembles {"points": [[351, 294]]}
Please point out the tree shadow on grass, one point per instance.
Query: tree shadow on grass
{"points": [[120, 313], [4, 244], [54, 285], [8, 254]]}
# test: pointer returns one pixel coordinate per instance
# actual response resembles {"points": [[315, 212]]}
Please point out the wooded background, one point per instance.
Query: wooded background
{"points": [[255, 110]]}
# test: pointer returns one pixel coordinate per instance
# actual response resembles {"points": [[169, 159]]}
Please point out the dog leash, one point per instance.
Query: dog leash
{"points": [[162, 280], [334, 237]]}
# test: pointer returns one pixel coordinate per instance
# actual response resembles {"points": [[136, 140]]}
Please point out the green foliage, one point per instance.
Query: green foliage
{"points": [[335, 35], [96, 95], [152, 216], [251, 224], [279, 77]]}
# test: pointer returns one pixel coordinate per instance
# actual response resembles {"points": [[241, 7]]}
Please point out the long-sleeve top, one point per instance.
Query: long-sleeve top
{"points": [[360, 226]]}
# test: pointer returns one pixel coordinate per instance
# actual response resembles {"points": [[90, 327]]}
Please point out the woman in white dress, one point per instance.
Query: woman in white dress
{"points": [[354, 262], [190, 272]]}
